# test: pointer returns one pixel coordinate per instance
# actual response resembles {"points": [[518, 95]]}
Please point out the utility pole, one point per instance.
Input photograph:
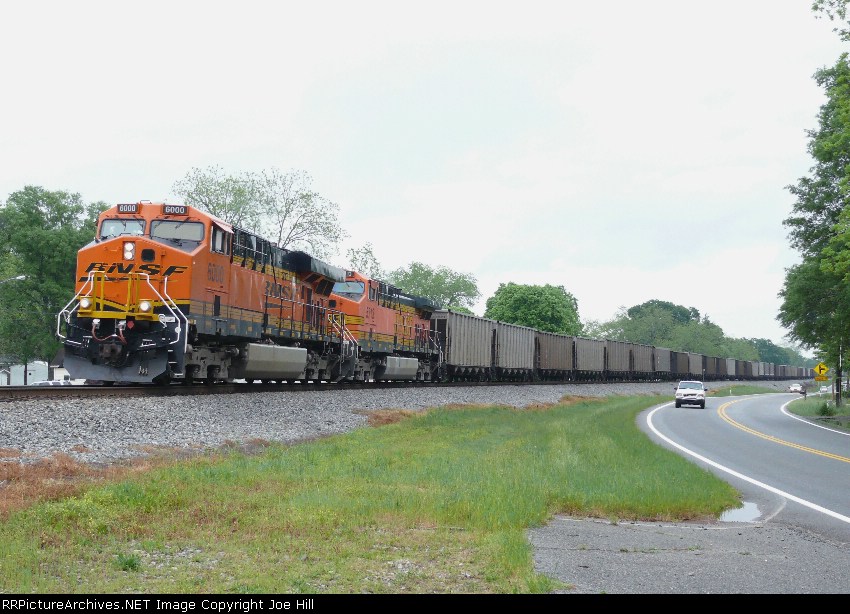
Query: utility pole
{"points": [[838, 379]]}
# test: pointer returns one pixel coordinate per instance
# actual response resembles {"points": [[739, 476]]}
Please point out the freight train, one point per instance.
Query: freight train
{"points": [[168, 293]]}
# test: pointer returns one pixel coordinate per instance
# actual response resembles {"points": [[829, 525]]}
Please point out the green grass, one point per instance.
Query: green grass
{"points": [[736, 390], [438, 502], [822, 408]]}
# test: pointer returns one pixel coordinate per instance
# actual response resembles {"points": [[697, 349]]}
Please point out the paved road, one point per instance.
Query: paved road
{"points": [[765, 548]]}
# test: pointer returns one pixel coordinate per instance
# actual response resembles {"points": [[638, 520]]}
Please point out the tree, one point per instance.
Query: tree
{"points": [[363, 261], [442, 285], [821, 196], [834, 10], [546, 308], [814, 308], [770, 352], [653, 323], [741, 349], [40, 233], [230, 198], [296, 217], [700, 337], [815, 295], [680, 314], [279, 206]]}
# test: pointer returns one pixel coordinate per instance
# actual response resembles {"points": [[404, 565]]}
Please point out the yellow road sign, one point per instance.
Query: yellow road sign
{"points": [[821, 378], [821, 368]]}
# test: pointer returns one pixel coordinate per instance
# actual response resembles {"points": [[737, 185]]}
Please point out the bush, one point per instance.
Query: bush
{"points": [[826, 409]]}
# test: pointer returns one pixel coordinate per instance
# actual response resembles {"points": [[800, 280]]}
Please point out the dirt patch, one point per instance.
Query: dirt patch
{"points": [[842, 422], [60, 476]]}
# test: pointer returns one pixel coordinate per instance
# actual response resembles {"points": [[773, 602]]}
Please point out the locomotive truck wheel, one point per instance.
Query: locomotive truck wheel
{"points": [[212, 374]]}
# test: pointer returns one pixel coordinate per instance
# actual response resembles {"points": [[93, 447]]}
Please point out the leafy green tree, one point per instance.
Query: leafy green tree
{"points": [[816, 295], [612, 329], [768, 351], [546, 308], [741, 349], [823, 194], [699, 337], [653, 323], [680, 314], [595, 329], [815, 308], [442, 285], [281, 207], [40, 232]]}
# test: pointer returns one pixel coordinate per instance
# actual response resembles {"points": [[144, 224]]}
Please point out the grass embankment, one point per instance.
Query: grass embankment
{"points": [[822, 407], [438, 501]]}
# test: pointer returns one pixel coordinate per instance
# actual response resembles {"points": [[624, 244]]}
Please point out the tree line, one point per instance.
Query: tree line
{"points": [[42, 230]]}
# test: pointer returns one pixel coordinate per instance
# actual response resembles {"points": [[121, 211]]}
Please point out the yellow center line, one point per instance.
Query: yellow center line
{"points": [[722, 413]]}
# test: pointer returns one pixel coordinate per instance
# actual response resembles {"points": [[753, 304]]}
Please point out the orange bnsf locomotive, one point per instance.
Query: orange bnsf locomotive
{"points": [[169, 293]]}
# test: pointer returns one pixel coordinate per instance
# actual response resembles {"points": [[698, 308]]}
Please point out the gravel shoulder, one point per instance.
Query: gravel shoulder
{"points": [[594, 556]]}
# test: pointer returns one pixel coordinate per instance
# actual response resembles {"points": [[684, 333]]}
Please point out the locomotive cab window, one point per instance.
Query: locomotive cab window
{"points": [[116, 227], [349, 289], [220, 241], [183, 234]]}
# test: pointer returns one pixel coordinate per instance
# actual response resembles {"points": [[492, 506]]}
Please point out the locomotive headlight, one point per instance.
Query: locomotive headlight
{"points": [[129, 250], [85, 303], [145, 306]]}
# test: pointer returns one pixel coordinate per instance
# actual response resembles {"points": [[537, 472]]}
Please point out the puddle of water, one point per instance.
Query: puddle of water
{"points": [[748, 513]]}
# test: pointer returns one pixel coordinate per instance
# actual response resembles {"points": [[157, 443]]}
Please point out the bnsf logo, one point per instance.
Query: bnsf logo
{"points": [[123, 269]]}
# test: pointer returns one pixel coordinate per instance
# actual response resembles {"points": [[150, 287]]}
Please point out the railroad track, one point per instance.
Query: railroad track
{"points": [[27, 393], [22, 393]]}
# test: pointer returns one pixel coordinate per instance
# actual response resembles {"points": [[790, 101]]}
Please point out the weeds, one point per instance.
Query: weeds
{"points": [[129, 562]]}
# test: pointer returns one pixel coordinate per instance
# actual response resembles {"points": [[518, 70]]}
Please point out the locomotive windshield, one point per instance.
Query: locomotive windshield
{"points": [[349, 289], [177, 231], [124, 226]]}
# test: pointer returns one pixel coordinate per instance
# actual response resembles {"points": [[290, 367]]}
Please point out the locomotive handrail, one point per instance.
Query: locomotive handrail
{"points": [[67, 312], [349, 341], [432, 337], [175, 311]]}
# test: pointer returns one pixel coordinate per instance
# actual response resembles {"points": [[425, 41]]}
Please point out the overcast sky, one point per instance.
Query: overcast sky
{"points": [[625, 150]]}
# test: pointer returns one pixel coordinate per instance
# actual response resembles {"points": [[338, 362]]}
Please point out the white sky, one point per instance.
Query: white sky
{"points": [[626, 150]]}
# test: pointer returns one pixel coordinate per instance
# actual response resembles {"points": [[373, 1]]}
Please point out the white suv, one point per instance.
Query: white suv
{"points": [[690, 393]]}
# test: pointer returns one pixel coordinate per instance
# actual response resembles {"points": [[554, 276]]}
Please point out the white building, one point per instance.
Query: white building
{"points": [[18, 375]]}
